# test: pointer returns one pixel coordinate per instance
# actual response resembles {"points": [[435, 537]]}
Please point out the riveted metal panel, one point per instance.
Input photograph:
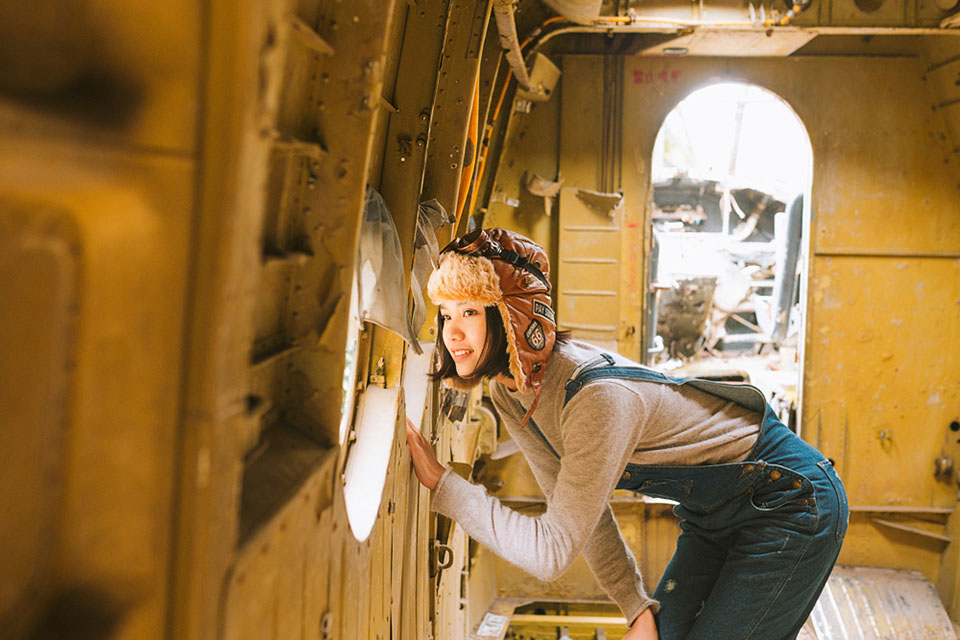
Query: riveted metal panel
{"points": [[408, 130], [530, 147], [459, 66]]}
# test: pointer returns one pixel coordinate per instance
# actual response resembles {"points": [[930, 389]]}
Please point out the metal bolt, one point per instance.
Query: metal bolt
{"points": [[405, 148], [943, 466]]}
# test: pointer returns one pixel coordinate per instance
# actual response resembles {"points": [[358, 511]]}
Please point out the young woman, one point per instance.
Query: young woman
{"points": [[762, 513]]}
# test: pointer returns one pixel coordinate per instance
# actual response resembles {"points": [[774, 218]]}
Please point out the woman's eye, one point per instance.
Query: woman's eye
{"points": [[470, 312], [445, 318]]}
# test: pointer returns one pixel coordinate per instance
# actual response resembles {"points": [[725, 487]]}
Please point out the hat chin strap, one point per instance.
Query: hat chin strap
{"points": [[520, 262], [533, 405]]}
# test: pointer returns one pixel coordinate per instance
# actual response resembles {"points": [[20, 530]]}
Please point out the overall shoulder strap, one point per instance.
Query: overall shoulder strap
{"points": [[603, 366]]}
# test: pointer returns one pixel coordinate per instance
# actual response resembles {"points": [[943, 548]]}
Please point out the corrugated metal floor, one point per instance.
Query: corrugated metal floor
{"points": [[865, 603]]}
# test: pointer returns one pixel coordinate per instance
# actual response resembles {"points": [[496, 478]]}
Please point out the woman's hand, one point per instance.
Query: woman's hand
{"points": [[644, 627], [424, 459]]}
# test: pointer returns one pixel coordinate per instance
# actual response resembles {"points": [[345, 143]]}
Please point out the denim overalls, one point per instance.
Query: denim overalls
{"points": [[758, 538]]}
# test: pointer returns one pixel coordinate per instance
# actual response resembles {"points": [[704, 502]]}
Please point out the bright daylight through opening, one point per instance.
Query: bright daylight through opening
{"points": [[731, 166]]}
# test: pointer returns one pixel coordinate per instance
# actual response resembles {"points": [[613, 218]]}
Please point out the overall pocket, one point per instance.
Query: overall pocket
{"points": [[666, 488], [780, 487]]}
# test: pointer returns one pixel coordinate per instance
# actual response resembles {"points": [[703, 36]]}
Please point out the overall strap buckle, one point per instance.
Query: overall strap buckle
{"points": [[573, 385]]}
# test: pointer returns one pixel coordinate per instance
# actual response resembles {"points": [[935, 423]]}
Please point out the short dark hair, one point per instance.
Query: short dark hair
{"points": [[494, 360]]}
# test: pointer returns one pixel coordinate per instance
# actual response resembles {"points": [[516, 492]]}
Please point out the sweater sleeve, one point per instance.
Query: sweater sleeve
{"points": [[615, 568], [594, 453]]}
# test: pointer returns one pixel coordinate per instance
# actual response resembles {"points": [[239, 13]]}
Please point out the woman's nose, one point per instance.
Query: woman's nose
{"points": [[453, 329]]}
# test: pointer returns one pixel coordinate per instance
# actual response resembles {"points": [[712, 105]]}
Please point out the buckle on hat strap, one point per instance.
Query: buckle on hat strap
{"points": [[512, 257]]}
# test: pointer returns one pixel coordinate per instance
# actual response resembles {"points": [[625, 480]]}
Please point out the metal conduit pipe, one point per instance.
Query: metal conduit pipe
{"points": [[785, 285], [507, 28]]}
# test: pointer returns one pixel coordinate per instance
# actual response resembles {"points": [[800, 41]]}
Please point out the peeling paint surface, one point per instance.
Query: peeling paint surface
{"points": [[879, 361]]}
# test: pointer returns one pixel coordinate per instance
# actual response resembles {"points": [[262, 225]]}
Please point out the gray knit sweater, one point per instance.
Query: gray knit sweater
{"points": [[606, 425]]}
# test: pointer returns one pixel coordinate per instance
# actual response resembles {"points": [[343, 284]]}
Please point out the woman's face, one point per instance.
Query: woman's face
{"points": [[464, 333]]}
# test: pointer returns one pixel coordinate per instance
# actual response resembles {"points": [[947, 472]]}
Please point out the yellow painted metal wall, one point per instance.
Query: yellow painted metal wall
{"points": [[180, 196], [181, 189], [98, 172], [328, 114]]}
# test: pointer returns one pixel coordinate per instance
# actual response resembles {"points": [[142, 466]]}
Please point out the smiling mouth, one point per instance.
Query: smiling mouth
{"points": [[460, 354]]}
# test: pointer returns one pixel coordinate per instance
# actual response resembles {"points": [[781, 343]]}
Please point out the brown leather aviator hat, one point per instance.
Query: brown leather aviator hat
{"points": [[497, 267]]}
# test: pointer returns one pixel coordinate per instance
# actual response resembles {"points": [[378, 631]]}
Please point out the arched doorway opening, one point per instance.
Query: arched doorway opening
{"points": [[731, 174]]}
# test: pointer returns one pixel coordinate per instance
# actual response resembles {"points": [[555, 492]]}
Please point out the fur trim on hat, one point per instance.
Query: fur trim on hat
{"points": [[461, 278], [516, 369]]}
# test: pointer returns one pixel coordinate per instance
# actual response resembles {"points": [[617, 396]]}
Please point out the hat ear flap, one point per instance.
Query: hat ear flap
{"points": [[516, 367]]}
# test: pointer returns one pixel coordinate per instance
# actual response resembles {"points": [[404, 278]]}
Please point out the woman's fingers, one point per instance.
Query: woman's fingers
{"points": [[416, 440], [412, 431], [424, 459], [422, 455]]}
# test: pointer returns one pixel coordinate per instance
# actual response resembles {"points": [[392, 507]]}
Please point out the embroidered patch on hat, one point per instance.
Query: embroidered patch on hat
{"points": [[534, 336], [544, 311]]}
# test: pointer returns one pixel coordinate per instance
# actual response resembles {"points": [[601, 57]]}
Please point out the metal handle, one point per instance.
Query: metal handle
{"points": [[442, 556]]}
